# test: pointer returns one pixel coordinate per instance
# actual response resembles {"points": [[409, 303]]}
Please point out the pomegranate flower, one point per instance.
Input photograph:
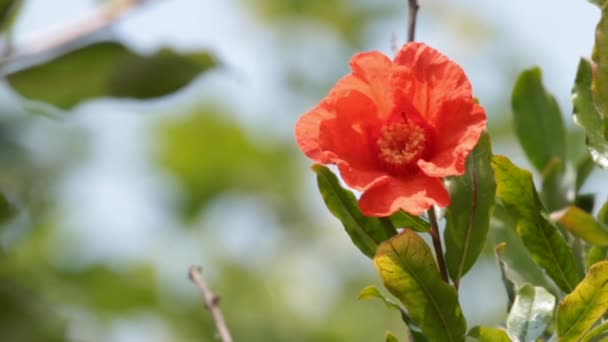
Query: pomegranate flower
{"points": [[396, 128]]}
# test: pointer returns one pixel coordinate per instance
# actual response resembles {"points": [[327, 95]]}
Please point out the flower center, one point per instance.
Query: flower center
{"points": [[400, 145]]}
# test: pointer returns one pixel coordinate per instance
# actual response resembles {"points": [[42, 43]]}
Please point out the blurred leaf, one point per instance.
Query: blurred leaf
{"points": [[392, 338], [108, 69], [579, 310], [595, 255], [365, 232], [585, 201], [599, 84], [209, 155], [597, 334], [602, 214], [409, 272], [530, 314], [468, 217], [9, 9], [538, 120], [7, 211], [586, 113], [547, 246], [554, 191], [485, 334], [600, 3], [401, 219], [583, 169], [110, 292], [584, 226]]}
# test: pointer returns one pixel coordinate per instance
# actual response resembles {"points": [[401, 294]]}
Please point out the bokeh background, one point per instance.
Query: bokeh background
{"points": [[114, 199]]}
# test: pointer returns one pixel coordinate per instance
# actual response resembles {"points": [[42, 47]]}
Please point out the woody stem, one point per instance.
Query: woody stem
{"points": [[413, 13], [437, 244]]}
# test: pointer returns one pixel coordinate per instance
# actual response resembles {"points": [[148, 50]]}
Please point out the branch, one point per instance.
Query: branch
{"points": [[103, 17], [413, 14], [437, 245], [211, 301]]}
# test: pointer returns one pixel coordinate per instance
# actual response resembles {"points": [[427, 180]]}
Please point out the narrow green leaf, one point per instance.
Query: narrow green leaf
{"points": [[543, 240], [579, 310], [555, 189], [392, 338], [538, 120], [365, 232], [485, 334], [468, 217], [402, 219], [595, 255], [597, 334], [409, 272], [583, 169], [531, 313], [599, 84], [9, 9], [584, 226], [108, 69], [414, 332], [587, 115]]}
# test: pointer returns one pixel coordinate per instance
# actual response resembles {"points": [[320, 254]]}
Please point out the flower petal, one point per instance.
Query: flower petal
{"points": [[375, 69], [414, 195], [436, 78], [460, 124]]}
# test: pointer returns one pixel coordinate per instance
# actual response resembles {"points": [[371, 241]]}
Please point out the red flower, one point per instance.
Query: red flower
{"points": [[395, 129]]}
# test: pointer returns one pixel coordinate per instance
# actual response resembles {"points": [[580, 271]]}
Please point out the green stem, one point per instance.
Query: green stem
{"points": [[437, 245]]}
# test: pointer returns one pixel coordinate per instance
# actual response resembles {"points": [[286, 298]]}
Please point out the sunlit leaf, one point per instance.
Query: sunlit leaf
{"points": [[392, 338], [485, 334], [402, 219], [409, 272], [597, 334], [579, 310], [468, 217], [584, 226], [547, 246], [366, 232], [530, 314], [538, 120], [587, 115], [108, 69]]}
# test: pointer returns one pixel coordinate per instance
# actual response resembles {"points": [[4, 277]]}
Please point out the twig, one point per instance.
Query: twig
{"points": [[437, 244], [212, 301], [413, 14], [103, 17]]}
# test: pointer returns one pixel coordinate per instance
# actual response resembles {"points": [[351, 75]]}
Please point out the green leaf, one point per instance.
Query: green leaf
{"points": [[579, 310], [595, 255], [587, 115], [7, 210], [365, 232], [108, 69], [583, 169], [485, 334], [543, 240], [531, 313], [468, 217], [391, 338], [584, 226], [538, 120], [555, 189], [602, 214], [9, 10], [414, 332], [401, 219], [409, 272], [597, 334], [600, 3], [599, 84]]}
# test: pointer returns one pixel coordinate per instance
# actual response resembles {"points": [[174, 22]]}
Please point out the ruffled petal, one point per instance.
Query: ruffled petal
{"points": [[436, 78], [460, 124], [375, 69], [414, 195]]}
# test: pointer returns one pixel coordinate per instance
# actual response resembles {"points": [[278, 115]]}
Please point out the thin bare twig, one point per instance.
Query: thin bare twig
{"points": [[102, 17], [212, 302], [437, 245], [413, 15]]}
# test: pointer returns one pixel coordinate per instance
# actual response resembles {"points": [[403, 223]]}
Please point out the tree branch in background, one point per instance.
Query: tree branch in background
{"points": [[211, 301], [413, 15], [102, 17]]}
